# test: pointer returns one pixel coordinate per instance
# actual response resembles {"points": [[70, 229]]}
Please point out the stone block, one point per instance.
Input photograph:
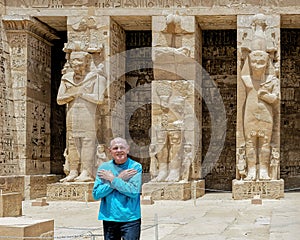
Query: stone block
{"points": [[147, 200], [167, 190], [256, 200], [36, 185], [10, 205], [273, 189], [9, 184], [71, 191], [40, 202], [24, 228]]}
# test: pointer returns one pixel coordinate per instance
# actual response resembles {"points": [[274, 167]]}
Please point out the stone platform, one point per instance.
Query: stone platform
{"points": [[273, 189], [173, 190], [26, 228], [10, 205], [71, 191]]}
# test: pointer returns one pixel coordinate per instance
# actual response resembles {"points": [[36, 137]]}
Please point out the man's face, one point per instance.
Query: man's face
{"points": [[119, 151]]}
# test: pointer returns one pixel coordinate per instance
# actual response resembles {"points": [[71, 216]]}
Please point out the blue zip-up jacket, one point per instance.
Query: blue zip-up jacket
{"points": [[120, 200]]}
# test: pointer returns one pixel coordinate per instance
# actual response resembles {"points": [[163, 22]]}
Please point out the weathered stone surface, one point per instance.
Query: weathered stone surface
{"points": [[9, 184], [10, 205], [36, 185], [25, 228], [75, 191], [167, 191], [273, 189]]}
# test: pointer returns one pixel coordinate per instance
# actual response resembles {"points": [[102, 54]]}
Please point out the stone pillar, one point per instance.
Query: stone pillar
{"points": [[175, 148], [258, 108], [30, 76]]}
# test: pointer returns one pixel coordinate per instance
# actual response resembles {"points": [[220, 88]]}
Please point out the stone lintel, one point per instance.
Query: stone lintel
{"points": [[30, 24], [20, 228], [71, 191], [173, 190], [273, 189]]}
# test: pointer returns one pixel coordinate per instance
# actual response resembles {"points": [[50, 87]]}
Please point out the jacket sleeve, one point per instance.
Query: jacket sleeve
{"points": [[130, 188], [101, 188]]}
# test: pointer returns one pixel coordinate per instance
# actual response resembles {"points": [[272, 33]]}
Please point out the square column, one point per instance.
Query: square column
{"points": [[30, 77], [175, 148]]}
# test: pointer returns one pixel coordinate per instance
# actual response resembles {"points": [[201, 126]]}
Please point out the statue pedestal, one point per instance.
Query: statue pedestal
{"points": [[173, 190], [272, 189], [72, 191]]}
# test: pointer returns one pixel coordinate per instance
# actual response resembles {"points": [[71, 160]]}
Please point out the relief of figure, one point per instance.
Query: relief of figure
{"points": [[153, 161], [169, 136], [275, 171], [82, 89], [262, 92], [186, 162], [241, 162], [100, 155]]}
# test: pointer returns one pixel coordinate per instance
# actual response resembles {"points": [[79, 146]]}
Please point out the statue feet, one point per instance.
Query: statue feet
{"points": [[251, 175], [263, 174], [70, 178], [173, 176], [160, 177], [84, 177]]}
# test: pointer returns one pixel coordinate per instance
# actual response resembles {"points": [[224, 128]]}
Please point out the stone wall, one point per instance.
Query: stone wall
{"points": [[219, 60], [138, 95], [150, 3], [290, 104], [8, 140], [58, 113]]}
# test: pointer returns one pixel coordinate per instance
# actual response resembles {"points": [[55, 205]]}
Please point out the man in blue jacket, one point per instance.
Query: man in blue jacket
{"points": [[118, 184]]}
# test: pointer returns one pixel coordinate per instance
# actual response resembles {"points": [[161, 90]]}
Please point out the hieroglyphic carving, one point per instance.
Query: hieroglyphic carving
{"points": [[139, 76], [148, 3], [8, 150], [219, 62], [290, 105], [259, 95], [117, 81], [265, 189], [70, 191]]}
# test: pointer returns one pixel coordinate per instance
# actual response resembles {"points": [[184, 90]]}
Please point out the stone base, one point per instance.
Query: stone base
{"points": [[10, 205], [40, 202], [72, 191], [273, 189], [30, 186], [36, 185], [173, 191], [26, 228]]}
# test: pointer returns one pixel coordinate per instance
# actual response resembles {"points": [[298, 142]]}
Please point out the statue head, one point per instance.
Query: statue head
{"points": [[79, 61], [258, 61]]}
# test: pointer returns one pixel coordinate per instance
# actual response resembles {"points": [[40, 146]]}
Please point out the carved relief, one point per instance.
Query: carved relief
{"points": [[219, 60], [146, 3], [260, 98]]}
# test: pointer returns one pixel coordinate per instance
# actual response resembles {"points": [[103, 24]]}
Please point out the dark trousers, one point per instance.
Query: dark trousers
{"points": [[125, 230]]}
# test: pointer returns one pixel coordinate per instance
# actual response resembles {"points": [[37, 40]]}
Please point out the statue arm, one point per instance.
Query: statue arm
{"points": [[270, 97], [96, 96], [63, 97]]}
